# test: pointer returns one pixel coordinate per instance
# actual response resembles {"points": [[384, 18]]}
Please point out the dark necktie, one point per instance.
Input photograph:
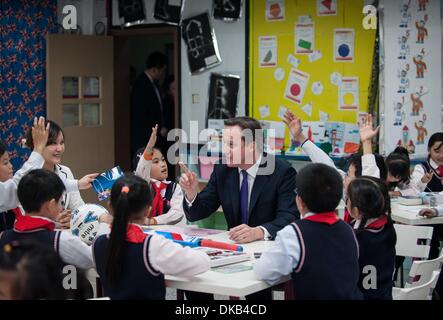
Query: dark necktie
{"points": [[244, 197]]}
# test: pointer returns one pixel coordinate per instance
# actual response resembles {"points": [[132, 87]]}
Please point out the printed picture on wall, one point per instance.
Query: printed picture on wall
{"points": [[227, 10], [223, 96], [202, 48], [169, 11]]}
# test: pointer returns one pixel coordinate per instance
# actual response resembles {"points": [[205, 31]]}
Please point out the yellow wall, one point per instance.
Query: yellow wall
{"points": [[264, 89]]}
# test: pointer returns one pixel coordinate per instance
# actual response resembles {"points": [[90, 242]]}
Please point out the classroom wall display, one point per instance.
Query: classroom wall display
{"points": [[222, 104], [201, 42], [227, 10], [223, 96], [321, 71], [169, 11], [411, 107]]}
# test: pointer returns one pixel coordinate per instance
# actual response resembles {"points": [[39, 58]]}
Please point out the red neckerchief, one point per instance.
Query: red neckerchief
{"points": [[32, 223], [440, 171], [347, 218], [377, 224], [157, 203], [135, 234], [325, 217], [17, 213]]}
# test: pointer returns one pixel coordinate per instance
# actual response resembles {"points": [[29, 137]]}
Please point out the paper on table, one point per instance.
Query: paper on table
{"points": [[233, 268]]}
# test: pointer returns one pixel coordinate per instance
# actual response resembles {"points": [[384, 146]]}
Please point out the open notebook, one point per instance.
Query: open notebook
{"points": [[223, 257]]}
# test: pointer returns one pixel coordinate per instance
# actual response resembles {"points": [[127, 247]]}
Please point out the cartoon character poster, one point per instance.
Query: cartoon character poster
{"points": [[411, 79]]}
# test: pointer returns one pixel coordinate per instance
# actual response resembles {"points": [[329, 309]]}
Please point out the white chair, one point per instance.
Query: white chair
{"points": [[408, 240], [413, 241], [422, 292], [421, 271]]}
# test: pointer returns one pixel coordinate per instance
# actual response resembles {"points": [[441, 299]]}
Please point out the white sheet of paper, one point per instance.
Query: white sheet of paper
{"points": [[316, 55], [304, 19], [267, 51], [307, 108], [304, 38], [348, 94], [344, 45], [264, 111], [335, 78], [317, 88], [323, 116], [279, 74], [296, 85], [293, 61]]}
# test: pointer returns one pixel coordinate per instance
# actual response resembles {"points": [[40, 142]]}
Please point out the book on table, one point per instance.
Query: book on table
{"points": [[221, 257]]}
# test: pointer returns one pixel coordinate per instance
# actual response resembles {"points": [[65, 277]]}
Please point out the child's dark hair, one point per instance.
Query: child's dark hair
{"points": [[398, 164], [37, 187], [371, 196], [2, 149], [54, 131], [320, 187], [130, 196], [40, 271], [355, 160], [139, 154], [436, 138]]}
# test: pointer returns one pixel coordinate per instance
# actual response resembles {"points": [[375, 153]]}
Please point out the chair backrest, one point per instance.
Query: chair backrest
{"points": [[421, 271], [423, 292], [413, 241]]}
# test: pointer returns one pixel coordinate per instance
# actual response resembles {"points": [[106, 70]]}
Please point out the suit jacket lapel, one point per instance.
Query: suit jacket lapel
{"points": [[259, 184]]}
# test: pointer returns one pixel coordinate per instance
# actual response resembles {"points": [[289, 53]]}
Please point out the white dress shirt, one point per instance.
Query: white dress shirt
{"points": [[418, 173], [74, 251]]}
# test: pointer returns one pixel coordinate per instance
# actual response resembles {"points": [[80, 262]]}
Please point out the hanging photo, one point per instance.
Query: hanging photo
{"points": [[169, 10], [201, 43], [227, 10], [223, 97]]}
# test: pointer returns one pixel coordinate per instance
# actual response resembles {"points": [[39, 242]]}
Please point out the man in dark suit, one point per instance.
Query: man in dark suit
{"points": [[146, 102], [255, 189]]}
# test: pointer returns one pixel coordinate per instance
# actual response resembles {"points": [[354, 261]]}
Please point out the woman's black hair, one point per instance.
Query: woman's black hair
{"points": [[2, 149], [371, 196], [125, 206], [40, 271], [436, 138], [54, 131], [355, 160], [398, 164]]}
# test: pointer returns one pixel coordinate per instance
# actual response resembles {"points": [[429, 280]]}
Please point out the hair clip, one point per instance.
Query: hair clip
{"points": [[125, 189], [7, 248]]}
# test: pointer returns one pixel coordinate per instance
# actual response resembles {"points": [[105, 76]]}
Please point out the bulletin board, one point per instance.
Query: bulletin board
{"points": [[329, 69]]}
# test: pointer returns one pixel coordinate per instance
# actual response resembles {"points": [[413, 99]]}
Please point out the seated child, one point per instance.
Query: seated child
{"points": [[320, 250], [30, 270], [39, 193], [369, 204], [167, 205], [131, 264]]}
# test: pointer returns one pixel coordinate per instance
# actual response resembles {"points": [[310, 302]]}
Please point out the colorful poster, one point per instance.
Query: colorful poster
{"points": [[348, 94], [326, 8], [344, 45], [274, 132], [411, 81], [304, 38], [275, 10], [267, 51], [296, 86]]}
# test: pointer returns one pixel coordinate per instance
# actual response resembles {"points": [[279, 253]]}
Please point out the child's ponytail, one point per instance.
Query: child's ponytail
{"points": [[129, 197]]}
